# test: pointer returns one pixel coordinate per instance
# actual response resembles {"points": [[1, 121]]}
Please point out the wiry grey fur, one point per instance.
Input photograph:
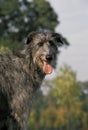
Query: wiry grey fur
{"points": [[21, 74]]}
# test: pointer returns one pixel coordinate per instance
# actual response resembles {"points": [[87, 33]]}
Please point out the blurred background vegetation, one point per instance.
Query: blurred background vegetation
{"points": [[19, 17], [62, 103], [64, 106]]}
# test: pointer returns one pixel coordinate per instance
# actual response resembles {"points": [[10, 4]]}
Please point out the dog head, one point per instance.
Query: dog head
{"points": [[44, 49]]}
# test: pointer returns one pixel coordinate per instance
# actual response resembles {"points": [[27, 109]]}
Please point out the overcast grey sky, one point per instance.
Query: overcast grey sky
{"points": [[73, 15]]}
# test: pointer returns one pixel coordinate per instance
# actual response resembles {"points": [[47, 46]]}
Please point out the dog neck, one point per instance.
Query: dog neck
{"points": [[36, 74]]}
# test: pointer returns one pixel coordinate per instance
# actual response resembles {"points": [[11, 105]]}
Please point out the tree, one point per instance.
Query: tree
{"points": [[19, 17], [64, 107], [65, 94]]}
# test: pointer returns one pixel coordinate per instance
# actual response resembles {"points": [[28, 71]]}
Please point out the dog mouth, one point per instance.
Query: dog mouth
{"points": [[47, 67]]}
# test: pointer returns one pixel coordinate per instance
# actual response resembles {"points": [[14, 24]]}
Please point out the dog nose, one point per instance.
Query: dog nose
{"points": [[49, 57]]}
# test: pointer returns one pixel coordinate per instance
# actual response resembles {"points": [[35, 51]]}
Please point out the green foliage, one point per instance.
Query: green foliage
{"points": [[63, 108], [7, 44], [66, 85], [18, 18], [7, 7]]}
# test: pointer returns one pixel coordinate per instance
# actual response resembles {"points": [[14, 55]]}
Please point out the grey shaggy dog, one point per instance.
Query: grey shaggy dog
{"points": [[22, 73]]}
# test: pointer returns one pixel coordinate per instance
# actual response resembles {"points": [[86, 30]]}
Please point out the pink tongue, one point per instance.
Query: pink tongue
{"points": [[47, 68]]}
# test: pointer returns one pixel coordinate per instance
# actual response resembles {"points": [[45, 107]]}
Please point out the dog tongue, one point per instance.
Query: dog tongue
{"points": [[47, 68]]}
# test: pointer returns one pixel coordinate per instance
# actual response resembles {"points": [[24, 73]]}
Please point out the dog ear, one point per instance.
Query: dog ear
{"points": [[30, 37], [59, 39]]}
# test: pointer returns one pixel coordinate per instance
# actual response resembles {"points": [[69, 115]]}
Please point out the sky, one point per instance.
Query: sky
{"points": [[73, 17]]}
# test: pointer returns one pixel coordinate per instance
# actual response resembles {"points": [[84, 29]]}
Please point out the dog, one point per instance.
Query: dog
{"points": [[21, 74]]}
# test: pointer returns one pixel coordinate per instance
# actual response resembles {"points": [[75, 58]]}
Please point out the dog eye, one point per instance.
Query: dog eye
{"points": [[51, 42], [40, 43]]}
